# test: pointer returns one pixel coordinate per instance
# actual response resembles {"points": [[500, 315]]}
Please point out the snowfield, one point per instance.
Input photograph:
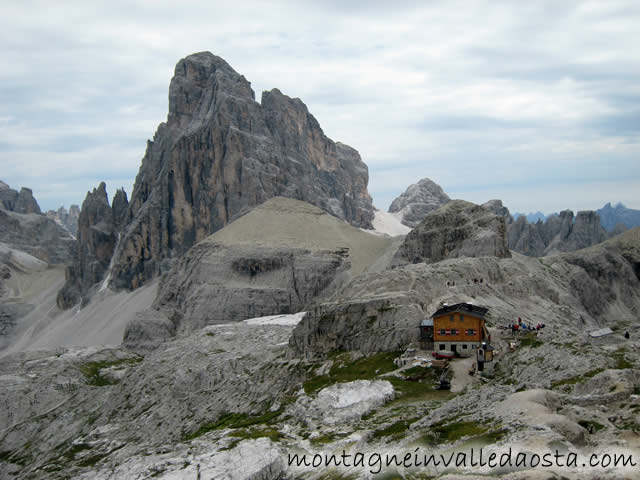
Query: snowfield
{"points": [[282, 320], [388, 224]]}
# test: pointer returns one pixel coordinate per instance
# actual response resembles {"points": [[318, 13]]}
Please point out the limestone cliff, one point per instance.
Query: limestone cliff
{"points": [[95, 243], [559, 233], [457, 229], [220, 153], [24, 228], [417, 201]]}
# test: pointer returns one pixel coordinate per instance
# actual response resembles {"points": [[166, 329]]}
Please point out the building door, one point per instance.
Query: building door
{"points": [[453, 347]]}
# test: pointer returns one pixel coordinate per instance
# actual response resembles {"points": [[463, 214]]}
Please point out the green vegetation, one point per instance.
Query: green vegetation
{"points": [[71, 453], [247, 434], [235, 420], [336, 475], [443, 432], [531, 340], [591, 425], [91, 370], [621, 363], [419, 384], [326, 438], [345, 370], [396, 430], [92, 460], [577, 379]]}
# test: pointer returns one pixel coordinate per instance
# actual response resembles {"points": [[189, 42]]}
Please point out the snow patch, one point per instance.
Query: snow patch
{"points": [[388, 224], [282, 320]]}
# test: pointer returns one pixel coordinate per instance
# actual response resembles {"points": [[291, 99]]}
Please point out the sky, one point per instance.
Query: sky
{"points": [[535, 103]]}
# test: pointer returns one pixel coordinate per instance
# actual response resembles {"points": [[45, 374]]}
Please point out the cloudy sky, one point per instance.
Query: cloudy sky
{"points": [[536, 103]]}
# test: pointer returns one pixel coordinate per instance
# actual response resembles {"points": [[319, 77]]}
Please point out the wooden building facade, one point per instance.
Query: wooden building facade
{"points": [[459, 328]]}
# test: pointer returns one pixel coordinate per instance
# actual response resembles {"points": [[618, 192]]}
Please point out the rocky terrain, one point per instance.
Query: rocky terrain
{"points": [[559, 233], [24, 228], [417, 201], [19, 202], [457, 229], [203, 395], [98, 233], [277, 259], [220, 153], [262, 308], [68, 219]]}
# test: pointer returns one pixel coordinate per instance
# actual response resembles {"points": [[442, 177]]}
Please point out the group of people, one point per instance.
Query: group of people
{"points": [[516, 327]]}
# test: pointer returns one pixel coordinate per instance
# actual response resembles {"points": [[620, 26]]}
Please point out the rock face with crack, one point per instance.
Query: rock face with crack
{"points": [[417, 201], [95, 244], [220, 153], [458, 229]]}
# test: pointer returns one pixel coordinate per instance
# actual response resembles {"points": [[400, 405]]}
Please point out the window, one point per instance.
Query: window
{"points": [[443, 331], [471, 332], [451, 318], [461, 318], [454, 331], [442, 346], [464, 346]]}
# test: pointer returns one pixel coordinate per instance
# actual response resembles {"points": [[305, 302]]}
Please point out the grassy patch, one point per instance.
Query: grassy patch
{"points": [[531, 341], [240, 435], [420, 385], [234, 420], [71, 453], [326, 438], [345, 370], [449, 433], [336, 475], [577, 379], [396, 430], [91, 370], [621, 363]]}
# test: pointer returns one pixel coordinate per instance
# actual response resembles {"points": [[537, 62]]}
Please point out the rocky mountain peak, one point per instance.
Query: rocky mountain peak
{"points": [[417, 201], [96, 241], [119, 208], [19, 202], [198, 79], [221, 153], [498, 208]]}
